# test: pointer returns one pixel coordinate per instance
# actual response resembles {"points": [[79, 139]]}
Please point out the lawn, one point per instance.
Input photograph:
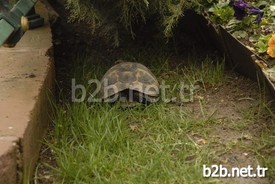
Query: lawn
{"points": [[223, 119]]}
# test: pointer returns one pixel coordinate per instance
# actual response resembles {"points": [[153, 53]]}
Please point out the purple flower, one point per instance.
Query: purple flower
{"points": [[258, 12], [242, 9], [241, 4]]}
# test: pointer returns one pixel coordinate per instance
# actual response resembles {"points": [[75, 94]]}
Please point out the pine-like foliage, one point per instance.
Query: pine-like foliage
{"points": [[109, 18]]}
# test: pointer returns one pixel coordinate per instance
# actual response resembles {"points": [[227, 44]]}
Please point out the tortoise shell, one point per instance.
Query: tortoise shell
{"points": [[129, 75]]}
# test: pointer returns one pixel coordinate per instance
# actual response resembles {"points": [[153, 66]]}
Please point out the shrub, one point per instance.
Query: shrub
{"points": [[111, 18]]}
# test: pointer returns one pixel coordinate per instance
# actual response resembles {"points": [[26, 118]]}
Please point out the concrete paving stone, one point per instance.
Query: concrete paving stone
{"points": [[26, 80]]}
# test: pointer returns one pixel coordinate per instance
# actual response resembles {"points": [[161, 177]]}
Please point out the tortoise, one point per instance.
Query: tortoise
{"points": [[129, 82]]}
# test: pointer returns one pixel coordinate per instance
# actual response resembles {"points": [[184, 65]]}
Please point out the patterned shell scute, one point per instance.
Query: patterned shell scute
{"points": [[129, 75]]}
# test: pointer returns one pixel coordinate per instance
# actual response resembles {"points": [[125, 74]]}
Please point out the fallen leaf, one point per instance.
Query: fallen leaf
{"points": [[133, 127], [202, 141]]}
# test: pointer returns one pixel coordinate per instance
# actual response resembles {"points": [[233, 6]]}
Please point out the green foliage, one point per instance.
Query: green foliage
{"points": [[110, 18], [221, 13], [240, 34], [256, 35], [262, 43], [175, 12]]}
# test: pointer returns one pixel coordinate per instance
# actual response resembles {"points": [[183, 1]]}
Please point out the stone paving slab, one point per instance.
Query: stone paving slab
{"points": [[26, 80]]}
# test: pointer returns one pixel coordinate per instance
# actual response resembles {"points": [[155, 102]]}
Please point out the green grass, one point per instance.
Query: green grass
{"points": [[263, 146], [203, 71], [103, 144], [210, 71], [98, 143], [159, 143]]}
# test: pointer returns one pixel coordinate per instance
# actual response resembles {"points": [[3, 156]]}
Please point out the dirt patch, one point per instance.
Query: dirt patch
{"points": [[230, 102]]}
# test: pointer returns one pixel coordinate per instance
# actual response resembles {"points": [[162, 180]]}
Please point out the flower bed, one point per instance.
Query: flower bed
{"points": [[247, 31]]}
